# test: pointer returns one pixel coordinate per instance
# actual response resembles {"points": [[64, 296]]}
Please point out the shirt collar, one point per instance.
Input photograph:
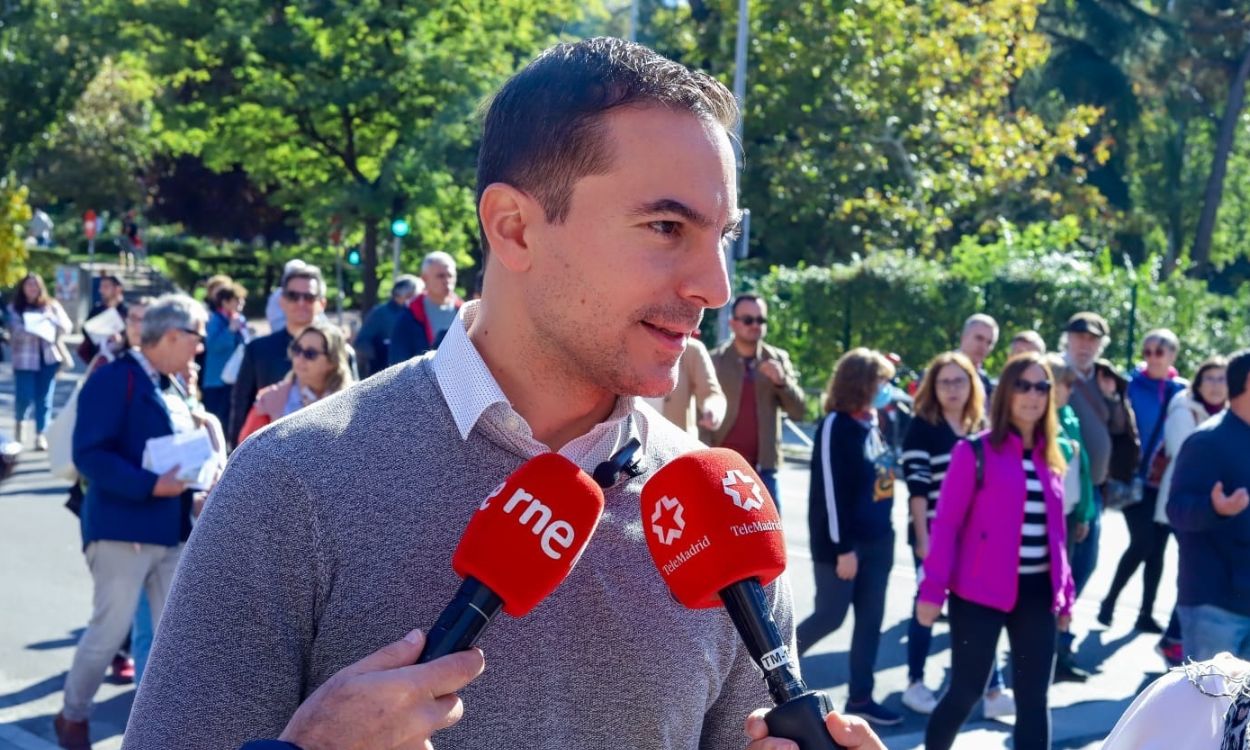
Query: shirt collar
{"points": [[151, 371], [475, 400]]}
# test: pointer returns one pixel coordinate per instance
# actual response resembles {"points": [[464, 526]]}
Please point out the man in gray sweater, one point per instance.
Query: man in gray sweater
{"points": [[606, 184]]}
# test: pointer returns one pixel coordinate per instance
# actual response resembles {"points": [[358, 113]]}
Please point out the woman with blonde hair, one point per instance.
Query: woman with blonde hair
{"points": [[319, 368], [848, 516], [949, 405], [998, 548]]}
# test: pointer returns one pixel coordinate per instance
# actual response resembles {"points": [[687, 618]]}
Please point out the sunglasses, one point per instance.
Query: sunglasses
{"points": [[1024, 386], [1148, 352], [750, 320], [309, 354], [308, 297]]}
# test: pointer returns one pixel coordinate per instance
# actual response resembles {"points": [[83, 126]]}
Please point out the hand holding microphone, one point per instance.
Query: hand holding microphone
{"points": [[520, 544], [714, 533]]}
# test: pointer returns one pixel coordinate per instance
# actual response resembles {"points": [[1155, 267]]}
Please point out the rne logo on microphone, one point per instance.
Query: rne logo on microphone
{"points": [[742, 489], [667, 521], [553, 533]]}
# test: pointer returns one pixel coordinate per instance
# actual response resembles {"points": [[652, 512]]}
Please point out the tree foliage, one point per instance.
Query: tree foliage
{"points": [[14, 213], [359, 110], [890, 123]]}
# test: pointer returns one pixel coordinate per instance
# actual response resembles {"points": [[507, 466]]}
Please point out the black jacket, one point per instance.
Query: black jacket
{"points": [[265, 362], [373, 341]]}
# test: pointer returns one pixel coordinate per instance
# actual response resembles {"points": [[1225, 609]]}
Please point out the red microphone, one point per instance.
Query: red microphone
{"points": [[714, 534], [520, 544]]}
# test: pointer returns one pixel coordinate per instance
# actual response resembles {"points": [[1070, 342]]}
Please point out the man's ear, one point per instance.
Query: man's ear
{"points": [[506, 213]]}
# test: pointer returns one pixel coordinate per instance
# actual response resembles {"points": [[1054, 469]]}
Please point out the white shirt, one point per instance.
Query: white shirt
{"points": [[175, 402], [1185, 709], [476, 400]]}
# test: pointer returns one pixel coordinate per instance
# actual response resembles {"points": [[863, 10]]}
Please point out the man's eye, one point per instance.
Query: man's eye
{"points": [[666, 228]]}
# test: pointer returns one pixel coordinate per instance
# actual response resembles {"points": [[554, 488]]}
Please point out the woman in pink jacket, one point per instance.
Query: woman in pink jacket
{"points": [[998, 548]]}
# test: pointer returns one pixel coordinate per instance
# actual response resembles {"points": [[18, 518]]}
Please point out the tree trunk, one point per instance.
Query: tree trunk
{"points": [[1201, 255], [369, 264]]}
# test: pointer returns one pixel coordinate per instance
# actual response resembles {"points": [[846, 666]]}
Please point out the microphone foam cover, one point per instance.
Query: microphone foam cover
{"points": [[710, 523], [530, 531]]}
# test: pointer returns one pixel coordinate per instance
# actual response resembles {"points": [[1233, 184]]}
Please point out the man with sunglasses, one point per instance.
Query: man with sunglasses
{"points": [[760, 385], [266, 359]]}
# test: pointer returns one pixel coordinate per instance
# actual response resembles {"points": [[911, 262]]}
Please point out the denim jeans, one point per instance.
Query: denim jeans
{"points": [[866, 592], [1085, 554], [769, 478], [1206, 630], [34, 388], [141, 635]]}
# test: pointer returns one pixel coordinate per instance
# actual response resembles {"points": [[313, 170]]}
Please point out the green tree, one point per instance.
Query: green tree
{"points": [[14, 213], [357, 110], [890, 123]]}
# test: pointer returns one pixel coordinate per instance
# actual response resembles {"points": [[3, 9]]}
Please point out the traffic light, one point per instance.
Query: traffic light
{"points": [[353, 256], [399, 227]]}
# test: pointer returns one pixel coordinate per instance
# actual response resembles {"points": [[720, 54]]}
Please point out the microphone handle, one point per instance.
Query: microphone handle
{"points": [[462, 620], [800, 713]]}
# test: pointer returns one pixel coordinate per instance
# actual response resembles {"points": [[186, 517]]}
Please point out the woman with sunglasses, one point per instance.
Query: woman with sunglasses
{"points": [[319, 368], [1150, 390], [949, 406], [998, 548]]}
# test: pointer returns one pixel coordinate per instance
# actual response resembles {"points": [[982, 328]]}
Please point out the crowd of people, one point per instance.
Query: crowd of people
{"points": [[311, 568]]}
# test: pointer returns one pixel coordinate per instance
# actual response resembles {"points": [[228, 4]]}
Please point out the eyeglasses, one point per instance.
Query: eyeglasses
{"points": [[292, 296], [1215, 379], [193, 332], [309, 354], [1024, 386], [750, 320], [1157, 352]]}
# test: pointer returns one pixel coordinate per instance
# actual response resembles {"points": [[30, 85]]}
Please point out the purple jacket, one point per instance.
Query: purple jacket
{"points": [[974, 546]]}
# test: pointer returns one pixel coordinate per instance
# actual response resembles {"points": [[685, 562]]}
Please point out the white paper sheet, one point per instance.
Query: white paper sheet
{"points": [[191, 451], [39, 324], [104, 326]]}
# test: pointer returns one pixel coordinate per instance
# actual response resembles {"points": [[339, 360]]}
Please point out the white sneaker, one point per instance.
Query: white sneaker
{"points": [[919, 698], [1003, 704]]}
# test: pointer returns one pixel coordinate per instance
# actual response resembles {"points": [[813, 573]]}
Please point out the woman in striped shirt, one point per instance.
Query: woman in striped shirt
{"points": [[949, 405], [998, 549]]}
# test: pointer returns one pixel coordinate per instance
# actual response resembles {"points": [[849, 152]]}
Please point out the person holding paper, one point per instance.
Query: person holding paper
{"points": [[319, 368], [112, 297], [134, 521], [37, 322]]}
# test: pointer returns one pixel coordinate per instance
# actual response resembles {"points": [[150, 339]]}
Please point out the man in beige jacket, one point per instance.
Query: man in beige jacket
{"points": [[697, 401], [759, 383]]}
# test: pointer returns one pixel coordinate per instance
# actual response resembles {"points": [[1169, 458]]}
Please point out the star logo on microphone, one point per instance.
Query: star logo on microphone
{"points": [[743, 490], [667, 521]]}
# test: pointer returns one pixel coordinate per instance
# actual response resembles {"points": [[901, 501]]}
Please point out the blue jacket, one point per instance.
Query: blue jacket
{"points": [[851, 492], [1213, 548], [1149, 399], [118, 410], [219, 344]]}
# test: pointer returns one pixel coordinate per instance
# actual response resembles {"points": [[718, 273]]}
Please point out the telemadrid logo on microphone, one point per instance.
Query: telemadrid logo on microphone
{"points": [[743, 490], [668, 530]]}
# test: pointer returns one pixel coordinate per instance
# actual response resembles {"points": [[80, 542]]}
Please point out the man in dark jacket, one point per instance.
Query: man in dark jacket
{"points": [[373, 341], [431, 313], [134, 521], [1207, 507], [112, 296], [265, 359]]}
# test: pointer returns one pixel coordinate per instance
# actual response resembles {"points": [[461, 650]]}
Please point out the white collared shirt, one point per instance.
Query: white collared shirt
{"points": [[475, 399], [175, 402]]}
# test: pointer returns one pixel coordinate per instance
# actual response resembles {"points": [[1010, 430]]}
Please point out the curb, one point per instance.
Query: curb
{"points": [[13, 737]]}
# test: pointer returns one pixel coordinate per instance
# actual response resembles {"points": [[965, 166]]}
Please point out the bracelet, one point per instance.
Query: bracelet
{"points": [[270, 745]]}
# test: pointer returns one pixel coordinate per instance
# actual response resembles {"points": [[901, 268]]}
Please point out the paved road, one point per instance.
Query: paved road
{"points": [[45, 593]]}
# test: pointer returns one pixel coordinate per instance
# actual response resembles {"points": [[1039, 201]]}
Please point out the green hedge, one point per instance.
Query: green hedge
{"points": [[916, 307]]}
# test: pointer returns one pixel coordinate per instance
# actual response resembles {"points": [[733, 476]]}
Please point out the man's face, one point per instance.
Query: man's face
{"points": [[179, 348], [1083, 349], [302, 301], [616, 289], [747, 322], [109, 291], [134, 323], [439, 280], [977, 342]]}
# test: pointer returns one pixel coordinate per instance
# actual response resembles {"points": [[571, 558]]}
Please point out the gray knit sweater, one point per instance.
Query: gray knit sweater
{"points": [[331, 535]]}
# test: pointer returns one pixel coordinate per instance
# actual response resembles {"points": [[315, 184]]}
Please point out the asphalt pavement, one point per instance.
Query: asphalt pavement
{"points": [[45, 593]]}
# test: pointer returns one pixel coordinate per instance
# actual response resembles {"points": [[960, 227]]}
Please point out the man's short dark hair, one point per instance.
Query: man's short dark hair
{"points": [[748, 297], [543, 129], [1238, 370], [114, 278]]}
